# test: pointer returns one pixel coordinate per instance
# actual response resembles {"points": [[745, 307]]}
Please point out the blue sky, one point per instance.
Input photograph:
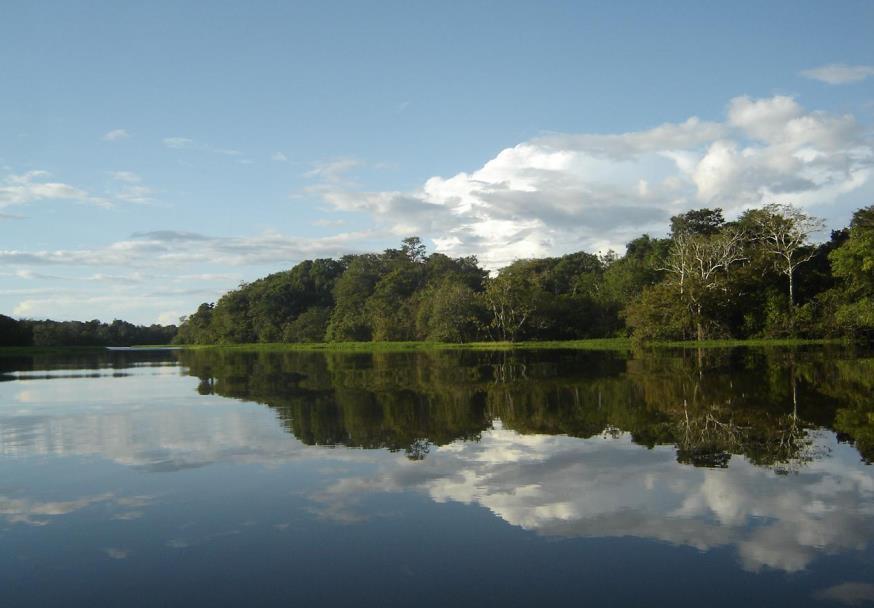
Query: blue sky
{"points": [[154, 155]]}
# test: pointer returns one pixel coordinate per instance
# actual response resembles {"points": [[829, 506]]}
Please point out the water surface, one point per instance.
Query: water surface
{"points": [[731, 477]]}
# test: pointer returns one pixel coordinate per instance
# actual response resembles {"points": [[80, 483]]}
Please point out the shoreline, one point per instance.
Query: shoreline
{"points": [[601, 344]]}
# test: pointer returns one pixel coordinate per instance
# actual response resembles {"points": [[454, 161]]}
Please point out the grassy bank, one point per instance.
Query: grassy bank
{"points": [[613, 344]]}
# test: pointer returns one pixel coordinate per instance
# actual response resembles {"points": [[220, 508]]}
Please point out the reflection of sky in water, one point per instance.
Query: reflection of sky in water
{"points": [[610, 487], [204, 471]]}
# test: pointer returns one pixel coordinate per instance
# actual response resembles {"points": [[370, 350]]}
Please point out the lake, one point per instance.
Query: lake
{"points": [[439, 478]]}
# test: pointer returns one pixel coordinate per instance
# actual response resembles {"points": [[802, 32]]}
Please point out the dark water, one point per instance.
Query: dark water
{"points": [[721, 478]]}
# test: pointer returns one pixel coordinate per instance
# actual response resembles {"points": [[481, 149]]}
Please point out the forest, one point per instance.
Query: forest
{"points": [[28, 332], [768, 274]]}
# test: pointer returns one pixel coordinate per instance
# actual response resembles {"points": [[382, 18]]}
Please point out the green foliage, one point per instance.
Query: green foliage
{"points": [[349, 320], [309, 326], [658, 314], [450, 312], [703, 222], [853, 261]]}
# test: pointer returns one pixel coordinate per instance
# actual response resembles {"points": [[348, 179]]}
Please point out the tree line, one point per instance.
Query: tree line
{"points": [[29, 332], [758, 276]]}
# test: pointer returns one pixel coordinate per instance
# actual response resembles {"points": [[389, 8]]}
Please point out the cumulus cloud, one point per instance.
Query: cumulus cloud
{"points": [[839, 73], [115, 135], [565, 192]]}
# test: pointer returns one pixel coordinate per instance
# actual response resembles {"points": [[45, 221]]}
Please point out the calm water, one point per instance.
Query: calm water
{"points": [[437, 479]]}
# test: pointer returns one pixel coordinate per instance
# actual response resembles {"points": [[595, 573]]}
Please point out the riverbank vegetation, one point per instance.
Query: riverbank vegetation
{"points": [[759, 277]]}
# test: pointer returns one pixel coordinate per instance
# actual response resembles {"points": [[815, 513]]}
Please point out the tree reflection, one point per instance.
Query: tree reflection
{"points": [[710, 405]]}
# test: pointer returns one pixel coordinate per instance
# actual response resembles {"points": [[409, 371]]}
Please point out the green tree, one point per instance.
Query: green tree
{"points": [[704, 222], [450, 312], [349, 319], [511, 299]]}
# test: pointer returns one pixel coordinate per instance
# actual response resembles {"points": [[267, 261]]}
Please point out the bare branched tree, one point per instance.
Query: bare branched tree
{"points": [[698, 265], [784, 230]]}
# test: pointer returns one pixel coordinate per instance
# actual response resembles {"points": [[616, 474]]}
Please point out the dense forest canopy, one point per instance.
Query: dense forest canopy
{"points": [[758, 276]]}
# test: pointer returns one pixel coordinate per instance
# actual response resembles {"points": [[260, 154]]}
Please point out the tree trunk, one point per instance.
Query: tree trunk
{"points": [[699, 326], [791, 303]]}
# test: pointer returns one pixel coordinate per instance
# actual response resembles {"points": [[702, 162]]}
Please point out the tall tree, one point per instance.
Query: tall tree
{"points": [[698, 266], [784, 231], [511, 299]]}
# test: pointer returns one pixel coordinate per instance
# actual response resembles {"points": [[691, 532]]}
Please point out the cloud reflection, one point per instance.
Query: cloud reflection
{"points": [[609, 487]]}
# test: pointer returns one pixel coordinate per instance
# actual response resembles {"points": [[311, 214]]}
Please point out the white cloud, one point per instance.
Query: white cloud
{"points": [[171, 249], [32, 186], [115, 135], [566, 192], [168, 317], [839, 73], [279, 157]]}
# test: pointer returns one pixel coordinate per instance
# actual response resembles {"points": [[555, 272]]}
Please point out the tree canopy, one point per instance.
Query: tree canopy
{"points": [[758, 276]]}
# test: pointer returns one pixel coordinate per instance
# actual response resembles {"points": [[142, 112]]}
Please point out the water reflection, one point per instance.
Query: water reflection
{"points": [[762, 453], [506, 424], [759, 404]]}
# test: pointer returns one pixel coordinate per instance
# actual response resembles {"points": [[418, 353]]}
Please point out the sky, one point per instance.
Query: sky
{"points": [[154, 155]]}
